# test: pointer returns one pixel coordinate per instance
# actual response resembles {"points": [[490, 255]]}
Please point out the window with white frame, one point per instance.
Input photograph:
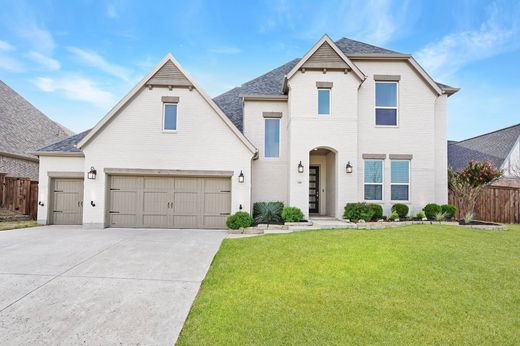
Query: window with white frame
{"points": [[272, 137], [324, 101], [386, 103], [170, 117], [400, 180], [373, 180]]}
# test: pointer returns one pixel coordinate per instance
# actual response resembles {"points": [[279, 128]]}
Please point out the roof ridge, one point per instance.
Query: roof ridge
{"points": [[368, 44], [485, 134]]}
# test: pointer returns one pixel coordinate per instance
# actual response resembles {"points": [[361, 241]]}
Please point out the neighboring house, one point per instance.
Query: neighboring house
{"points": [[347, 122], [23, 130], [500, 147]]}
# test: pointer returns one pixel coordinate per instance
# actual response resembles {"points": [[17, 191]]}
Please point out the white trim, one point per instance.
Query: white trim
{"points": [[401, 184], [176, 117], [382, 181], [330, 103], [380, 107], [279, 139], [115, 110]]}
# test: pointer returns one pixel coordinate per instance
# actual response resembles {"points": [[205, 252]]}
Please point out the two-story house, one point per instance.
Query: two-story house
{"points": [[347, 122]]}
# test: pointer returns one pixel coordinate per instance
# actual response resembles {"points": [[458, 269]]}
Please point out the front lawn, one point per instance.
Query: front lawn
{"points": [[421, 284], [7, 225]]}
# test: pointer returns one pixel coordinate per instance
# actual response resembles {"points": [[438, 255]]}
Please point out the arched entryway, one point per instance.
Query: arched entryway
{"points": [[322, 181]]}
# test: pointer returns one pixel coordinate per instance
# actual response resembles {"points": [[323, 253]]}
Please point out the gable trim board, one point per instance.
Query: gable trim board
{"points": [[123, 102], [325, 39]]}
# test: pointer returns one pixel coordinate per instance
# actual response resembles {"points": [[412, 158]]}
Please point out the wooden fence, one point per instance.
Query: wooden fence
{"points": [[497, 204], [19, 195]]}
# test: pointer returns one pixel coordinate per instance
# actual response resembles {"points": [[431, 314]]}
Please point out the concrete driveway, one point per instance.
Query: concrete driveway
{"points": [[63, 285]]}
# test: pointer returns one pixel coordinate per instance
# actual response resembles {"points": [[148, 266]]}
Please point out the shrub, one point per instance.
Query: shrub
{"points": [[468, 218], [449, 210], [440, 216], [401, 209], [267, 212], [240, 219], [431, 209], [377, 209], [362, 211], [393, 216], [420, 214], [292, 214]]}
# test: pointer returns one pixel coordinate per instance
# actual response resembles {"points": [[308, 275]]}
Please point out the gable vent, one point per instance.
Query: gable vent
{"points": [[325, 57], [169, 75]]}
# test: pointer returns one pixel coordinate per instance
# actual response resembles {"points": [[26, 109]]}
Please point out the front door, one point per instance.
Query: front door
{"points": [[314, 189]]}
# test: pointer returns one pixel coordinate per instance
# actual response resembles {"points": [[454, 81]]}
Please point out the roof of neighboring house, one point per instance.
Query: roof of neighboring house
{"points": [[68, 144], [271, 82], [24, 128], [493, 146]]}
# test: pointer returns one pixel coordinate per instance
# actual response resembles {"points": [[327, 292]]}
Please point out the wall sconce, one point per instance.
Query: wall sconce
{"points": [[240, 207], [41, 204], [241, 177], [300, 167], [92, 173], [349, 167], [92, 203]]}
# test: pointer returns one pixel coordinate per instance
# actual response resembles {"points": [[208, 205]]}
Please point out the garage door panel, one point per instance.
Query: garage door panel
{"points": [[216, 203], [186, 221], [67, 204], [175, 202]]}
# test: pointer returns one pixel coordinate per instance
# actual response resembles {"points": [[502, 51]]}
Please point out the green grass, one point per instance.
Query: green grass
{"points": [[8, 225], [422, 284]]}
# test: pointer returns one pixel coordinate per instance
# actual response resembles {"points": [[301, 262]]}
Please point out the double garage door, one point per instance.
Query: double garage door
{"points": [[168, 202]]}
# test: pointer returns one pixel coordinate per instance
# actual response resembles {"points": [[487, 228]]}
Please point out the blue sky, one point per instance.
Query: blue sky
{"points": [[75, 59]]}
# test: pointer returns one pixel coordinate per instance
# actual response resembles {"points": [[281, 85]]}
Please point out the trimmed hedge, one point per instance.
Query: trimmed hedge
{"points": [[401, 210], [362, 211], [240, 219], [432, 209], [292, 214], [449, 210]]}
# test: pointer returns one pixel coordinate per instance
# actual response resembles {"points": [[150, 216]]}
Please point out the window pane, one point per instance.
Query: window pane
{"points": [[170, 117], [400, 172], [272, 137], [386, 116], [323, 101], [399, 192], [373, 171], [373, 192], [386, 94]]}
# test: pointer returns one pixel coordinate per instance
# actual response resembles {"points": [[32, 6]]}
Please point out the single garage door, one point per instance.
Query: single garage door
{"points": [[169, 202], [67, 201]]}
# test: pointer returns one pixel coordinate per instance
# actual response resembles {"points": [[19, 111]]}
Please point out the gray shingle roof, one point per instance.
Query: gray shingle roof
{"points": [[68, 144], [24, 128], [271, 82], [493, 146]]}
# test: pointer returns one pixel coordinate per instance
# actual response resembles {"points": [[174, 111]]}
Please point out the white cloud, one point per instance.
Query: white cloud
{"points": [[225, 50], [5, 46], [95, 60], [41, 39], [45, 61], [10, 64], [76, 88], [445, 57]]}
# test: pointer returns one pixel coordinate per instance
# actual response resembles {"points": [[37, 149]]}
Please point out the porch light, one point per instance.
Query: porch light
{"points": [[241, 177], [92, 173], [300, 167], [349, 167]]}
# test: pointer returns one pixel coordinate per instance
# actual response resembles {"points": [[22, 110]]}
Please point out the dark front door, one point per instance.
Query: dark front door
{"points": [[314, 189]]}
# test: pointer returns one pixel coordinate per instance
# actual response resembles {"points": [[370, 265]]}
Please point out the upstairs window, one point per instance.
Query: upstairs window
{"points": [[386, 103], [400, 180], [323, 101], [170, 117], [373, 180], [272, 138]]}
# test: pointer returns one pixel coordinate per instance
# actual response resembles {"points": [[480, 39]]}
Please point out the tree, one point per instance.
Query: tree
{"points": [[467, 185]]}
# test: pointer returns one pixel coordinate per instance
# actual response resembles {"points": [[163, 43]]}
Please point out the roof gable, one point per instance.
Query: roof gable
{"points": [[23, 127], [161, 73], [325, 56]]}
